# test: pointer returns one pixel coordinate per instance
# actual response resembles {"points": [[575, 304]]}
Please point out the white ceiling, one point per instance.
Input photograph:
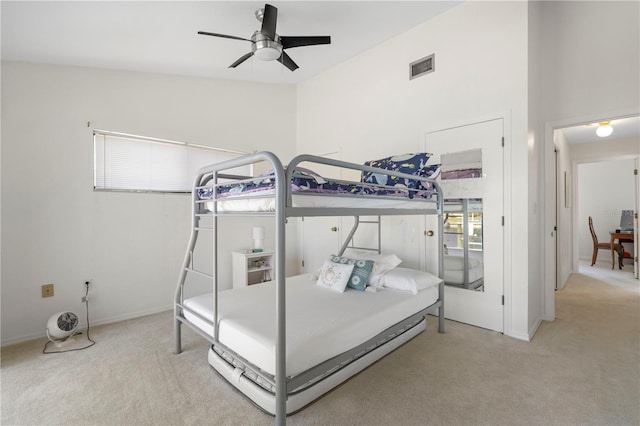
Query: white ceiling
{"points": [[623, 128], [161, 36]]}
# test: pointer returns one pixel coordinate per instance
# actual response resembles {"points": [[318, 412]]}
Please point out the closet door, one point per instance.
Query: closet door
{"points": [[472, 171], [321, 237]]}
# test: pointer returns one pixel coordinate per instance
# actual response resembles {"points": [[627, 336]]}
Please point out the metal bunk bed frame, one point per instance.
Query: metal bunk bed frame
{"points": [[283, 209]]}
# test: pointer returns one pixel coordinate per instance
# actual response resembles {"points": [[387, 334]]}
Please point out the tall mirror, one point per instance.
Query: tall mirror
{"points": [[461, 180], [463, 247]]}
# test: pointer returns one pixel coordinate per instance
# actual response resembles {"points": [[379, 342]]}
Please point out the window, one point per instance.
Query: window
{"points": [[134, 163]]}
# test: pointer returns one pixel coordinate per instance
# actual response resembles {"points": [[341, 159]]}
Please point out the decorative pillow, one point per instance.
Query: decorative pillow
{"points": [[382, 263], [412, 164], [409, 280], [334, 275], [361, 271]]}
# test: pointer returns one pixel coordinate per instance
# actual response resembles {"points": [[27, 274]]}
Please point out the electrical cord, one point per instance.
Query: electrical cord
{"points": [[86, 304]]}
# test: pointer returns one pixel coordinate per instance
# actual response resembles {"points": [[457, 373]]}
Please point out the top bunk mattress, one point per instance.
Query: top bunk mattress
{"points": [[267, 202], [321, 323], [401, 182]]}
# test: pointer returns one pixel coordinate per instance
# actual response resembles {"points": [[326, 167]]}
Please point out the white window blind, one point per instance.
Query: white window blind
{"points": [[135, 163]]}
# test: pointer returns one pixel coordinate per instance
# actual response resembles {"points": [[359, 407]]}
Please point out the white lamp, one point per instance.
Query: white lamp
{"points": [[604, 129], [258, 237]]}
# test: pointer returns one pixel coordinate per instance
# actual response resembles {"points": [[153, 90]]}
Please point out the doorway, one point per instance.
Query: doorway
{"points": [[561, 220]]}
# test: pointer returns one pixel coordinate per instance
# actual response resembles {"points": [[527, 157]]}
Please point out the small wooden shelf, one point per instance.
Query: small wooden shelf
{"points": [[252, 268]]}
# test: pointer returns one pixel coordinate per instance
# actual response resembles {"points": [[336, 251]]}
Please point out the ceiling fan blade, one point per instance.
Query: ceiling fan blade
{"points": [[222, 35], [269, 19], [289, 42], [285, 60], [241, 60]]}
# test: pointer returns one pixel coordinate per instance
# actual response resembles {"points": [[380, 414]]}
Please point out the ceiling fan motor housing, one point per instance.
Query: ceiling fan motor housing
{"points": [[269, 46], [264, 48]]}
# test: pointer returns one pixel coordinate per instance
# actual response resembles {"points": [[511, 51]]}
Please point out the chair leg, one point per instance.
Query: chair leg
{"points": [[594, 256]]}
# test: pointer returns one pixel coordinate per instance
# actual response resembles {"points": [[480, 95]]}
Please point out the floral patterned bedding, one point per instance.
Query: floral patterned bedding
{"points": [[371, 184]]}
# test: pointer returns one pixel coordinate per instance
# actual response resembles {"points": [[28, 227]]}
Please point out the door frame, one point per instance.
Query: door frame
{"points": [[549, 185]]}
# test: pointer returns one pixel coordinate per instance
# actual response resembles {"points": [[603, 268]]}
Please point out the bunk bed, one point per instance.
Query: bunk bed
{"points": [[284, 355]]}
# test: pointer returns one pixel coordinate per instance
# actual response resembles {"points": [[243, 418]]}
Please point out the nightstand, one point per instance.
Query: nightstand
{"points": [[252, 268]]}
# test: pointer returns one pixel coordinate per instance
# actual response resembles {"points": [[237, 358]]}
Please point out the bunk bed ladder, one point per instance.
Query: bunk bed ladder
{"points": [[188, 267], [348, 241]]}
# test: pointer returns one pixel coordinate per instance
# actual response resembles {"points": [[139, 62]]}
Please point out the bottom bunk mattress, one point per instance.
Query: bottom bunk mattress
{"points": [[321, 323], [265, 398]]}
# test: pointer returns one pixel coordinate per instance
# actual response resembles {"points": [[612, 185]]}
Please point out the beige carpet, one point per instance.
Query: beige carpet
{"points": [[581, 369]]}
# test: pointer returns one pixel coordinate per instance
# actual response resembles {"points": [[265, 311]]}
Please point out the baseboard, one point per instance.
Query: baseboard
{"points": [[519, 336], [83, 325], [534, 327], [529, 334]]}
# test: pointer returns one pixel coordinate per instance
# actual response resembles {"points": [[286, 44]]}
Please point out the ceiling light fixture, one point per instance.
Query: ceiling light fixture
{"points": [[264, 48], [604, 129]]}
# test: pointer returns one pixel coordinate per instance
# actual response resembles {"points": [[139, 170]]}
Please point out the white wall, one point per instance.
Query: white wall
{"points": [[535, 160], [602, 165], [369, 108], [591, 57], [56, 229], [604, 189]]}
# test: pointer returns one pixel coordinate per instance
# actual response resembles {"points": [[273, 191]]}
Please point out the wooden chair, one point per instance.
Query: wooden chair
{"points": [[605, 246]]}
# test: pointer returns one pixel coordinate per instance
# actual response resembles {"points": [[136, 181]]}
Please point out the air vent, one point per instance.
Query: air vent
{"points": [[422, 66]]}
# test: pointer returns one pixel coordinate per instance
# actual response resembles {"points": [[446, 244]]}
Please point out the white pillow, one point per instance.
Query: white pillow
{"points": [[382, 263], [409, 280], [334, 275]]}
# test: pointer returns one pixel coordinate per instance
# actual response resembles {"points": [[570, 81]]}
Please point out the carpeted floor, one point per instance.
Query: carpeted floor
{"points": [[583, 368]]}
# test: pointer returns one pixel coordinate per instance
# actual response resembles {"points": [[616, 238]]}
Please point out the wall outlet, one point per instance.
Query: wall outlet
{"points": [[47, 290]]}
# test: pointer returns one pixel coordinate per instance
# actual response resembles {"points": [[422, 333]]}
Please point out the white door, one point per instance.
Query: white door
{"points": [[478, 299]]}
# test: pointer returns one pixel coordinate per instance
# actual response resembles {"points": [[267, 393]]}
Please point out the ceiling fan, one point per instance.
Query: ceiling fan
{"points": [[269, 46]]}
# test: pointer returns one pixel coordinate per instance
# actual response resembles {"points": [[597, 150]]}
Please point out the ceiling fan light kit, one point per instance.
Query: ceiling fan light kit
{"points": [[264, 48], [269, 46]]}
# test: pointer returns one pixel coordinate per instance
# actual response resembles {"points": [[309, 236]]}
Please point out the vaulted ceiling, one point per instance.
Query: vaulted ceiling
{"points": [[161, 36]]}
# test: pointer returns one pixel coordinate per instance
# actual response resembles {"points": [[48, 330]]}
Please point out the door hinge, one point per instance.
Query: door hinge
{"points": [[502, 220], [635, 172], [503, 300], [503, 141], [303, 263], [555, 228]]}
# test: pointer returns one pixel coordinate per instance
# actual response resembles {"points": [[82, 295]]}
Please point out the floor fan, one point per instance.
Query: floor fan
{"points": [[61, 327]]}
